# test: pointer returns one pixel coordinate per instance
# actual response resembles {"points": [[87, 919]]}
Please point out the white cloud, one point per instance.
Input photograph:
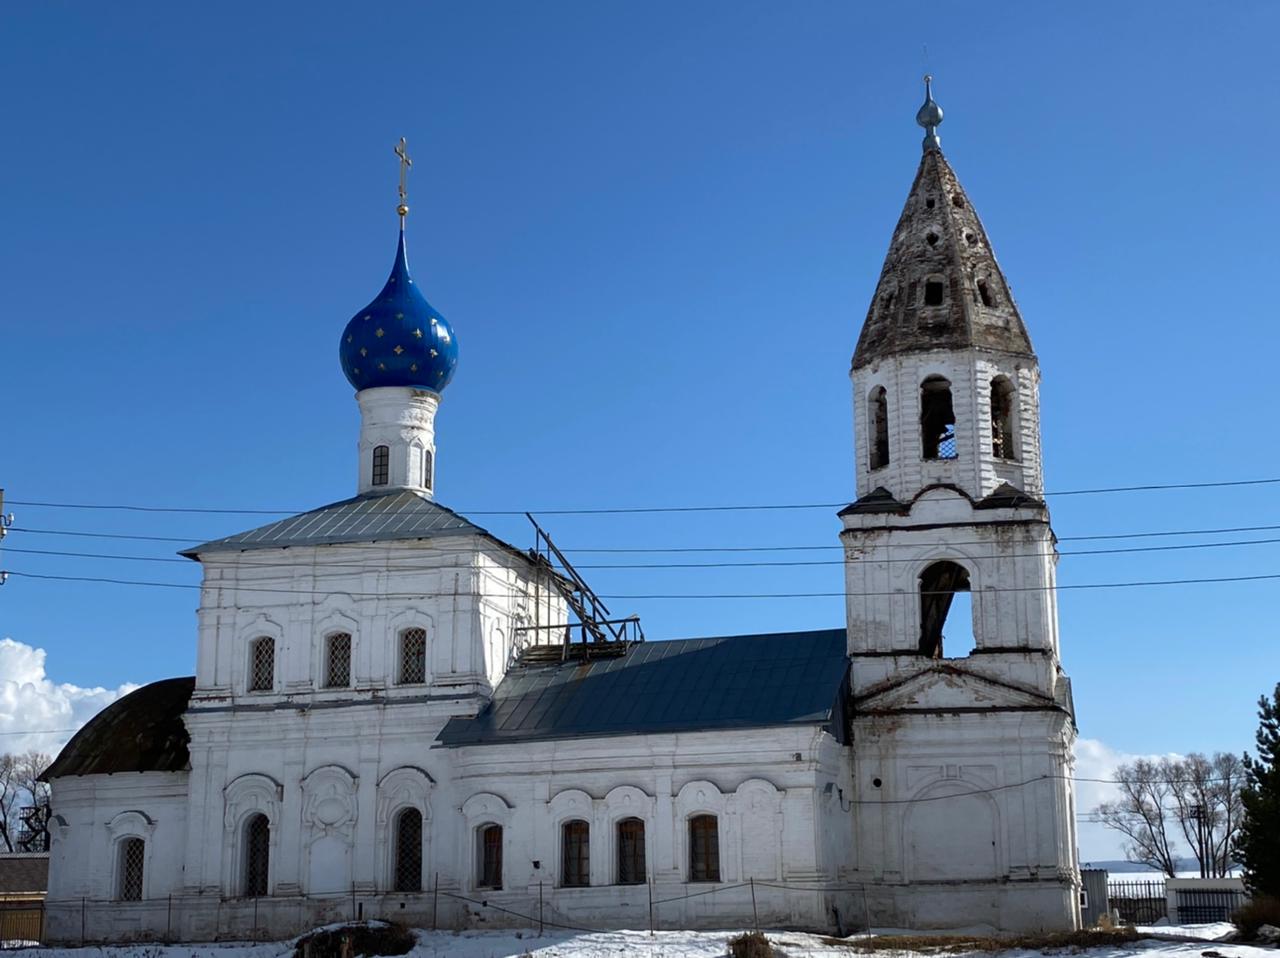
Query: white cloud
{"points": [[37, 713]]}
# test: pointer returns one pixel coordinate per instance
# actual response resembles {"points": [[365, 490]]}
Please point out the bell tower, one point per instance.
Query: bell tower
{"points": [[962, 755]]}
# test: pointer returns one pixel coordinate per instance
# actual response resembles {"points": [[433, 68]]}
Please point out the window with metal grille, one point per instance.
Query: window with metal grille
{"points": [[428, 468], [1002, 418], [879, 427], [413, 656], [631, 852], [381, 465], [575, 854], [408, 837], [257, 855], [262, 664], [937, 419], [704, 848], [337, 666], [489, 856], [132, 852]]}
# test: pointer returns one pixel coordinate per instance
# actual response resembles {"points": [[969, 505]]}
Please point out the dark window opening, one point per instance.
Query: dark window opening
{"points": [[262, 664], [957, 201], [937, 419], [984, 293], [575, 854], [879, 428], [337, 668], [132, 853], [257, 854], [381, 465], [970, 238], [928, 204], [631, 852], [413, 656], [1002, 446], [490, 856], [939, 584], [933, 292], [428, 469], [932, 239], [704, 848], [408, 873]]}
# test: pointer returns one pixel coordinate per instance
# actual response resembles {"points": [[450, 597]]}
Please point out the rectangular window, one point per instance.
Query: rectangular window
{"points": [[262, 665], [490, 856], [413, 656], [631, 852], [575, 859], [337, 670], [132, 851], [933, 292], [381, 465], [704, 848], [428, 466]]}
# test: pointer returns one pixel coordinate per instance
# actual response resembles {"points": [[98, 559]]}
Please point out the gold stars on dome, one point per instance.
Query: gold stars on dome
{"points": [[367, 317], [382, 366], [350, 337], [363, 351], [379, 332], [413, 367], [434, 354], [417, 334], [399, 315], [398, 350]]}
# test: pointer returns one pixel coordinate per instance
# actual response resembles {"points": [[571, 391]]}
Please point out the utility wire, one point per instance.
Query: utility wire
{"points": [[650, 596], [629, 510], [403, 563]]}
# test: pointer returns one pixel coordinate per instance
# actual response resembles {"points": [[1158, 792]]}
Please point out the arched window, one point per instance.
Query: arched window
{"points": [[337, 661], [879, 428], [428, 469], [489, 856], [408, 849], [1002, 397], [937, 419], [575, 854], [939, 584], [129, 881], [262, 664], [631, 869], [704, 848], [381, 465], [257, 855], [413, 656]]}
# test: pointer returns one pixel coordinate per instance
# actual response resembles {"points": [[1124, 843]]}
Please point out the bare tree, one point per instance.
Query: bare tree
{"points": [[20, 789], [1196, 798], [1141, 814]]}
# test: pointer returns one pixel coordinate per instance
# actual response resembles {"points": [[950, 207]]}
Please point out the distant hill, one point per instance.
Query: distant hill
{"points": [[1186, 868]]}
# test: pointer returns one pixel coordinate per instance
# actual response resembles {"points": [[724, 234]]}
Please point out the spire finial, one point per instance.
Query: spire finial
{"points": [[929, 116], [405, 165]]}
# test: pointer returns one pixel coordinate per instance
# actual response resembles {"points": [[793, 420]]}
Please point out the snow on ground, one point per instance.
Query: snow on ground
{"points": [[1214, 931], [663, 944]]}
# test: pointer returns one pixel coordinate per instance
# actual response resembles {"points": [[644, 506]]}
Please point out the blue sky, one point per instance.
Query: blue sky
{"points": [[655, 229]]}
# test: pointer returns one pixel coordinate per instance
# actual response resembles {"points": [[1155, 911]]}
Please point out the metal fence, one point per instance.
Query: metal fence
{"points": [[1138, 902], [1198, 905]]}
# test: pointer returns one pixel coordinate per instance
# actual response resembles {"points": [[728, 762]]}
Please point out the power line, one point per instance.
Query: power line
{"points": [[353, 564], [1208, 580], [674, 550], [628, 510]]}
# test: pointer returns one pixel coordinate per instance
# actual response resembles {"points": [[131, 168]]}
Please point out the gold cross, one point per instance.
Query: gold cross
{"points": [[405, 165]]}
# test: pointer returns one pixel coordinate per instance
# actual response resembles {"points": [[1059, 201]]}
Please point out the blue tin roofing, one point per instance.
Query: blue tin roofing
{"points": [[684, 685], [398, 515]]}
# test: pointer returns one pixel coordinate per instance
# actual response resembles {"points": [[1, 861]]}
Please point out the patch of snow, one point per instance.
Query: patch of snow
{"points": [[1212, 931]]}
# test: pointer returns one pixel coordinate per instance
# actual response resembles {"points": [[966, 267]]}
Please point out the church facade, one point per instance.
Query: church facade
{"points": [[388, 718]]}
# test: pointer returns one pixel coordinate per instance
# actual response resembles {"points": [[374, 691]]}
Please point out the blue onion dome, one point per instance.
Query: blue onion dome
{"points": [[399, 339]]}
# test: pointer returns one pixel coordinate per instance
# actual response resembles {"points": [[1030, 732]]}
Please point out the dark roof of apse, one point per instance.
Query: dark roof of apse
{"points": [[141, 732], [396, 515], [684, 685]]}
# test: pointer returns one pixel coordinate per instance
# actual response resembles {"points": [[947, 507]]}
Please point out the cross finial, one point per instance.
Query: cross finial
{"points": [[405, 164], [930, 116]]}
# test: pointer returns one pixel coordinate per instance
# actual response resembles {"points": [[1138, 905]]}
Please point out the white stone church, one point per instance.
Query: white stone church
{"points": [[395, 714]]}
